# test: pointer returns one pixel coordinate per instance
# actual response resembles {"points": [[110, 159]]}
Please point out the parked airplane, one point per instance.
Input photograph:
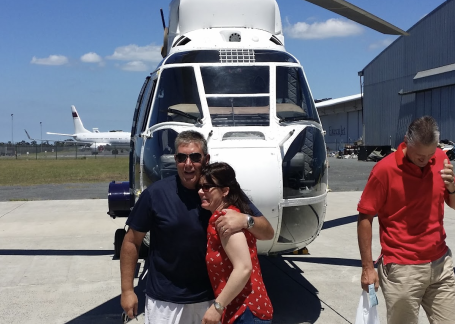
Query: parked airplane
{"points": [[96, 139]]}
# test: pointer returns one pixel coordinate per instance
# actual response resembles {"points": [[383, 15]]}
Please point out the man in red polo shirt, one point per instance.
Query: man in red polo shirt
{"points": [[407, 190]]}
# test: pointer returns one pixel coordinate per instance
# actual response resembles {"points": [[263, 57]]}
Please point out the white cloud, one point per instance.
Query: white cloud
{"points": [[150, 53], [320, 30], [380, 44], [135, 66], [91, 58], [51, 60]]}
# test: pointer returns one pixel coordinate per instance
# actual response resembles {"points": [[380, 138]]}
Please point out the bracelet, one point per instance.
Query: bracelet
{"points": [[450, 192]]}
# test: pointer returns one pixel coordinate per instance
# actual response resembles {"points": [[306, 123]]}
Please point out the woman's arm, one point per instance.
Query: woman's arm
{"points": [[237, 250]]}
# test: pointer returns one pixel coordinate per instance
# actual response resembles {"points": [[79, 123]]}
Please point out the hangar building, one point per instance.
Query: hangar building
{"points": [[413, 77], [341, 120]]}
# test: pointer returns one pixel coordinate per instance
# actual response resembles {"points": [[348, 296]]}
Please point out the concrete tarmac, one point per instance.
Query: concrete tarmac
{"points": [[57, 266]]}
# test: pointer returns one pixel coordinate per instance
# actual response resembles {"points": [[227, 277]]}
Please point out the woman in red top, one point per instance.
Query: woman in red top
{"points": [[232, 262]]}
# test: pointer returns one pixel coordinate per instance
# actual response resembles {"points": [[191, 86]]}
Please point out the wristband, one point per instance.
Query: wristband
{"points": [[450, 192]]}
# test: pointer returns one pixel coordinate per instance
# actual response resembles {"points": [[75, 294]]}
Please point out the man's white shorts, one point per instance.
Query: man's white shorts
{"points": [[161, 312]]}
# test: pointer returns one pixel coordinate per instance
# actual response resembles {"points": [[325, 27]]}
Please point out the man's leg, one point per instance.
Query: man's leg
{"points": [[403, 287], [439, 299], [161, 312]]}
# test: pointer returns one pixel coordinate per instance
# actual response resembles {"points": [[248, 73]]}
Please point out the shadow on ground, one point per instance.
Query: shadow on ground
{"points": [[294, 299]]}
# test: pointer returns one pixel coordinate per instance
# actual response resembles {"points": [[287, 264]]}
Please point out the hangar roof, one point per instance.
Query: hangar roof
{"points": [[339, 105]]}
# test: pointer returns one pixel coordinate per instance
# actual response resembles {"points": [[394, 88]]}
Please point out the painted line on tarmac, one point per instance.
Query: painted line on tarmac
{"points": [[13, 209]]}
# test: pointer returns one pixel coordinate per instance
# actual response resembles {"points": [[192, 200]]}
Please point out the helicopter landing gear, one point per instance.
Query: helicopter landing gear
{"points": [[303, 251], [118, 240]]}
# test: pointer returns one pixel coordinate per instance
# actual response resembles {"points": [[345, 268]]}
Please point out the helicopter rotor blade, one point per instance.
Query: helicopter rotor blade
{"points": [[359, 15]]}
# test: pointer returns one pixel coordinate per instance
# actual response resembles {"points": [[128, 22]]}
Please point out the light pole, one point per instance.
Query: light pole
{"points": [[41, 126], [12, 129]]}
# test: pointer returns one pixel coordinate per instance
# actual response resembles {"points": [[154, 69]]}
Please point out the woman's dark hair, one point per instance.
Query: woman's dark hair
{"points": [[222, 174]]}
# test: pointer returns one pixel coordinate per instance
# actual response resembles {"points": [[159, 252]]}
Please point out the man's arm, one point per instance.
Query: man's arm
{"points": [[129, 255], [364, 236], [447, 176], [233, 222]]}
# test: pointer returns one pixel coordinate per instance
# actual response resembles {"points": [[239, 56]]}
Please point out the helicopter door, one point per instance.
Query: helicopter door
{"points": [[139, 125], [133, 132]]}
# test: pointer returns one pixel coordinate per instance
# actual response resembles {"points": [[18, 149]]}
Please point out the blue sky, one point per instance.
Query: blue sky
{"points": [[96, 54]]}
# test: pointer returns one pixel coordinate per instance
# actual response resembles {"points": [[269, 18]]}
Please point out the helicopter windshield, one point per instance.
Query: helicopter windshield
{"points": [[293, 100], [237, 95], [177, 97]]}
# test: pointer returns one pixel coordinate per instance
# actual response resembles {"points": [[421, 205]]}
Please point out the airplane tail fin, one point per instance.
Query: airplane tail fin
{"points": [[78, 126], [28, 135]]}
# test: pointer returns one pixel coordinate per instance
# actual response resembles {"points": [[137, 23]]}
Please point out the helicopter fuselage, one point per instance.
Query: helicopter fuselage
{"points": [[250, 99]]}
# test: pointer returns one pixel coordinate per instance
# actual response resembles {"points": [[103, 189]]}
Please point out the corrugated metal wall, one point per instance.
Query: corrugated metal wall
{"points": [[341, 129], [431, 44]]}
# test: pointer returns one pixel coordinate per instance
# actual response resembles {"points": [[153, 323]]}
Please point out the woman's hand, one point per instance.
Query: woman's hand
{"points": [[211, 316]]}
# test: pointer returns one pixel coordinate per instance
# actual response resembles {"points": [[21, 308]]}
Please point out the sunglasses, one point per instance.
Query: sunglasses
{"points": [[207, 186], [194, 157]]}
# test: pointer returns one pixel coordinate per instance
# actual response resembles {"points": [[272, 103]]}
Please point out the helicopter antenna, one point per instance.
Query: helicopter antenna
{"points": [[162, 18]]}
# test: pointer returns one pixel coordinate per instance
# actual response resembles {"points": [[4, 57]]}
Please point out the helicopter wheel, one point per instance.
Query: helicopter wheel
{"points": [[450, 155], [303, 251]]}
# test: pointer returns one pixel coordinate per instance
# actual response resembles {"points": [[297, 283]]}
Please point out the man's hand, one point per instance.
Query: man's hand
{"points": [[447, 176], [230, 222], [369, 276], [129, 302]]}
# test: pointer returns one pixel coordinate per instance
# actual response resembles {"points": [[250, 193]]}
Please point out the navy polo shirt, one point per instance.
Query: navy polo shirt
{"points": [[178, 241]]}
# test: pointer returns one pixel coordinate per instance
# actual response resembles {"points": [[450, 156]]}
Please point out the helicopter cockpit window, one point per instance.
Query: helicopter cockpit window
{"points": [[293, 100], [235, 79], [143, 108], [237, 95], [177, 97]]}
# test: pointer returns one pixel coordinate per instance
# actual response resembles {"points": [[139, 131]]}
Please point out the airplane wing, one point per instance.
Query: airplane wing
{"points": [[38, 139], [60, 134], [359, 15]]}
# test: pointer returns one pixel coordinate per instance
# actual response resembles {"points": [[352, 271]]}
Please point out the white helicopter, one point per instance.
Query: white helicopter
{"points": [[225, 73]]}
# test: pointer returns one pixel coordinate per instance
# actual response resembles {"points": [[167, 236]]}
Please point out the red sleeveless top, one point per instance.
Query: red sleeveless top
{"points": [[254, 296]]}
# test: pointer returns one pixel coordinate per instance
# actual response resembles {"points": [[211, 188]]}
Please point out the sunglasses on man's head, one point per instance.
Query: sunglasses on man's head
{"points": [[207, 186], [194, 157]]}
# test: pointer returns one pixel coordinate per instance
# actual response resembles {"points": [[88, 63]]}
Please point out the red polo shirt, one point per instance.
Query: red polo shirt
{"points": [[409, 203]]}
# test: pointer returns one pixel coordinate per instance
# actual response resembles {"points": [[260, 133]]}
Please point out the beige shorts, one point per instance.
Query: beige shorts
{"points": [[406, 287]]}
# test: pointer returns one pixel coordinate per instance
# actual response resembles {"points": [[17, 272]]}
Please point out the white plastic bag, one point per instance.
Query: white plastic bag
{"points": [[365, 314]]}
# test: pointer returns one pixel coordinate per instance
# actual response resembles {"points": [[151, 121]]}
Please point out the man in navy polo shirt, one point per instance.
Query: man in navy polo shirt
{"points": [[178, 287]]}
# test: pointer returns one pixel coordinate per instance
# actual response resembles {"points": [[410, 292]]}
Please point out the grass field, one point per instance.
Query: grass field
{"points": [[32, 172]]}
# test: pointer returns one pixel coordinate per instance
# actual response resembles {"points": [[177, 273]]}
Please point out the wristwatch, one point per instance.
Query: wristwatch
{"points": [[218, 306], [249, 221]]}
